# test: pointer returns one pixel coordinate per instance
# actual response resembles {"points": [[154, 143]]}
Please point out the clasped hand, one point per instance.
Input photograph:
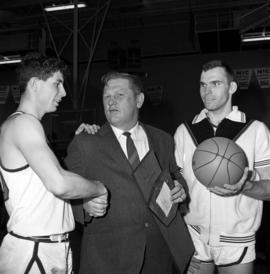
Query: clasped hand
{"points": [[96, 207]]}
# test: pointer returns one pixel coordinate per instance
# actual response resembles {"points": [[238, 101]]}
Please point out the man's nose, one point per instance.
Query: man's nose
{"points": [[208, 88], [63, 92], [112, 100]]}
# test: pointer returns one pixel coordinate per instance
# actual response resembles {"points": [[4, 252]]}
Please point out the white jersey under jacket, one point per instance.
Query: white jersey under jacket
{"points": [[223, 221]]}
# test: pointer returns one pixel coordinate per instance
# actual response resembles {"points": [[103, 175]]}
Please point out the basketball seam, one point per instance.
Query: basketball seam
{"points": [[222, 158], [227, 158]]}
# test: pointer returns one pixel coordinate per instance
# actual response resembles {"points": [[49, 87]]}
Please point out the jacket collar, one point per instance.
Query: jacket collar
{"points": [[235, 115]]}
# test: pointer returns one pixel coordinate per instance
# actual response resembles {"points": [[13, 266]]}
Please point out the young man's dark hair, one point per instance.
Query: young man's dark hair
{"points": [[36, 65]]}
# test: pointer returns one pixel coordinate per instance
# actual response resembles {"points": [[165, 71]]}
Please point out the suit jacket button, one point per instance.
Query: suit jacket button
{"points": [[146, 224]]}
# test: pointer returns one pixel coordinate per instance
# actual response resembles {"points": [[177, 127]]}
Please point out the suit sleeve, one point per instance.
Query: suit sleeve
{"points": [[74, 161], [175, 170]]}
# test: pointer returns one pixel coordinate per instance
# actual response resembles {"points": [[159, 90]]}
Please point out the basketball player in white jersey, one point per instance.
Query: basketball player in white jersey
{"points": [[36, 188]]}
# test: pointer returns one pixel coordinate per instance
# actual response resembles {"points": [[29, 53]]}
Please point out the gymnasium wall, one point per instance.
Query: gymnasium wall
{"points": [[177, 78], [172, 90]]}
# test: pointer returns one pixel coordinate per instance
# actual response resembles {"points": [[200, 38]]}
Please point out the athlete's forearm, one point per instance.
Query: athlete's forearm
{"points": [[257, 189], [74, 186]]}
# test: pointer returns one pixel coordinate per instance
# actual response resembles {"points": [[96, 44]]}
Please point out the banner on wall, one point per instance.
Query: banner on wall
{"points": [[15, 90], [263, 76], [155, 94], [4, 91], [243, 77]]}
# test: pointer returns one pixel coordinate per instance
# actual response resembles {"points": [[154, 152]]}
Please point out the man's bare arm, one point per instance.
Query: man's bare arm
{"points": [[257, 188], [62, 183]]}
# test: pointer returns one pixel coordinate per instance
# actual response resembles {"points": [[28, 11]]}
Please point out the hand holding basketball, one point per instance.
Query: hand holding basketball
{"points": [[230, 190]]}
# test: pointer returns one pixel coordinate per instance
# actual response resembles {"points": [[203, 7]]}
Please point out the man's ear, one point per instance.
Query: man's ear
{"points": [[140, 100], [233, 87], [32, 84]]}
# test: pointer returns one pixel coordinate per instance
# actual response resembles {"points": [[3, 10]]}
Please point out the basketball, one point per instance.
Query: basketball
{"points": [[218, 161]]}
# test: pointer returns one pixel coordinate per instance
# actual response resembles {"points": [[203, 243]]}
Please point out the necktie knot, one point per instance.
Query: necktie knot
{"points": [[127, 134], [132, 153]]}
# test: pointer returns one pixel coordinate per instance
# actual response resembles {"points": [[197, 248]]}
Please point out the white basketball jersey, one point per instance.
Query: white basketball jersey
{"points": [[32, 209]]}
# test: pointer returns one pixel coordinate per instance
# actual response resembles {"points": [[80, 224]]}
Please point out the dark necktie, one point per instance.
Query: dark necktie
{"points": [[133, 156]]}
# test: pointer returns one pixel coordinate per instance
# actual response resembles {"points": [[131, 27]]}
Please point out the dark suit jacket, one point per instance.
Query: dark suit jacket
{"points": [[115, 244]]}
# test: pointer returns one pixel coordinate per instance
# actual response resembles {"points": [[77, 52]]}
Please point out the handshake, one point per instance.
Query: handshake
{"points": [[97, 207]]}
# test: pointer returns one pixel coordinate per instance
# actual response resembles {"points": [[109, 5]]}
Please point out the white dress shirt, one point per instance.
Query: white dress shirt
{"points": [[138, 136]]}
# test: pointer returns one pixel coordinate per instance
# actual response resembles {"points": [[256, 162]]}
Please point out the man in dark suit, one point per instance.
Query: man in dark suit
{"points": [[130, 238]]}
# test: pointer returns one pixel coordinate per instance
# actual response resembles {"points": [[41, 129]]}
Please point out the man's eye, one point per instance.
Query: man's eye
{"points": [[119, 95], [216, 83], [202, 85]]}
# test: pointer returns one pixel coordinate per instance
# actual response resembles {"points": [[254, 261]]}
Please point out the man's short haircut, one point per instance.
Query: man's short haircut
{"points": [[218, 63], [135, 82], [36, 65]]}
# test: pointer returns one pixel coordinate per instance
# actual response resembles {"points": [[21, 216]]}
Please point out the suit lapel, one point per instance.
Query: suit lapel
{"points": [[149, 136], [112, 146]]}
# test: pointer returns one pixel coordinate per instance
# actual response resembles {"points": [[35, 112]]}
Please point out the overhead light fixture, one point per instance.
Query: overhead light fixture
{"points": [[255, 37], [254, 18], [12, 59], [64, 7]]}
